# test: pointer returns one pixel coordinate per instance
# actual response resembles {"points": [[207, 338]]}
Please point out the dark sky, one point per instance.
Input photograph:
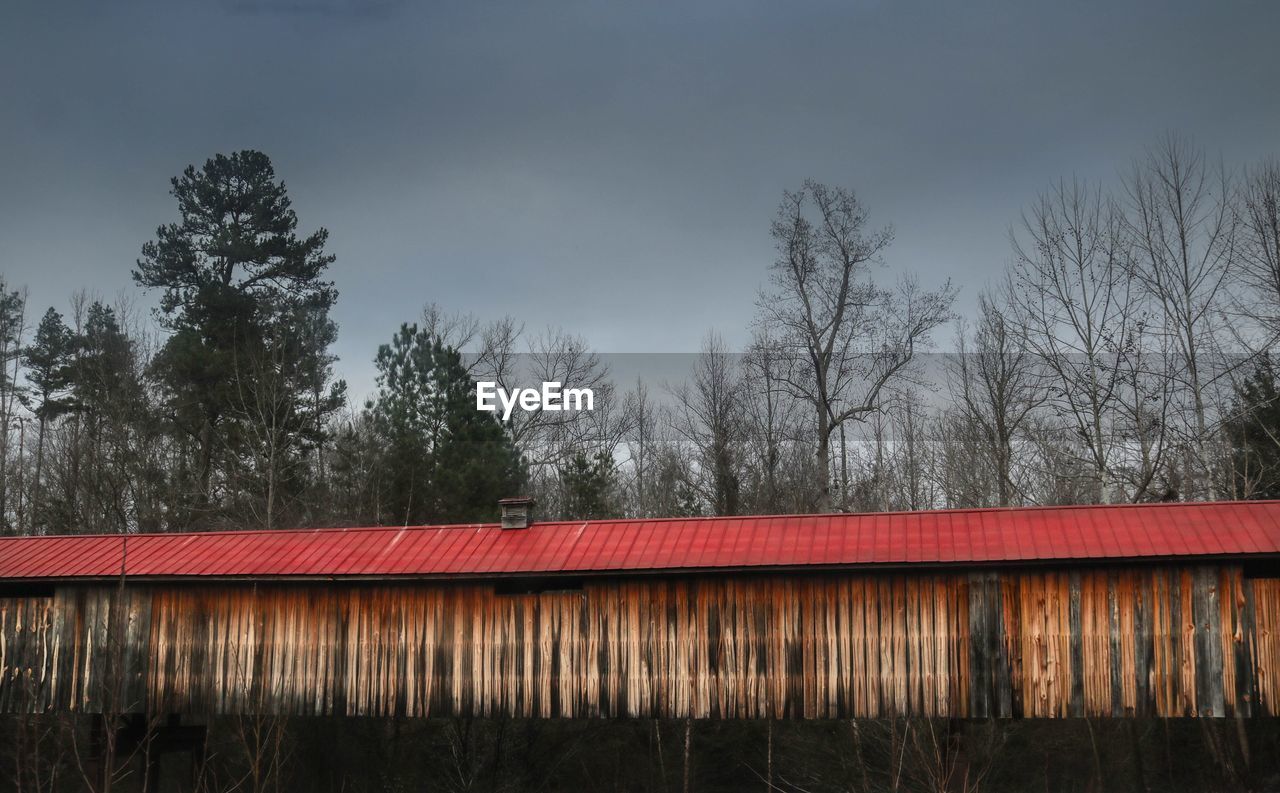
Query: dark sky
{"points": [[611, 168]]}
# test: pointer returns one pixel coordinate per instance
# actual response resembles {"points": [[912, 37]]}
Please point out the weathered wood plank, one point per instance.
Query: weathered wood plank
{"points": [[1208, 643], [1037, 643], [1266, 652]]}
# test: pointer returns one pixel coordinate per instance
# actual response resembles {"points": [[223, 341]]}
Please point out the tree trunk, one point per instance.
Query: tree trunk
{"points": [[824, 463], [688, 736], [35, 486], [768, 780]]}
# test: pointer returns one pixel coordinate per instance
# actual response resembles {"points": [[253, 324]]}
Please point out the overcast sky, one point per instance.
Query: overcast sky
{"points": [[611, 168]]}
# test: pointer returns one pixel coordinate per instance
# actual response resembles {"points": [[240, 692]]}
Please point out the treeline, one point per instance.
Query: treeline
{"points": [[1123, 356]]}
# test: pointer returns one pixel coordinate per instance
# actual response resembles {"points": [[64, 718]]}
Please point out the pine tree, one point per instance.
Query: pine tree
{"points": [[48, 366], [102, 373], [48, 362], [247, 369], [589, 485], [443, 461], [1253, 432]]}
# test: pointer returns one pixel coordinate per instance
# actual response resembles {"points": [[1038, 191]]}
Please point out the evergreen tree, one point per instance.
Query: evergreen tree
{"points": [[49, 370], [12, 396], [352, 464], [129, 480], [108, 405], [1253, 432], [443, 461], [48, 366], [246, 369], [589, 484], [102, 374]]}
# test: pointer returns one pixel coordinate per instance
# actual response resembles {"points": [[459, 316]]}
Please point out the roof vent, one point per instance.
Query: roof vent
{"points": [[517, 513]]}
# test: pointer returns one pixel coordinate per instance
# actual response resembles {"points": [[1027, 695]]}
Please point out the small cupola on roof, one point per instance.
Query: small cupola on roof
{"points": [[517, 512]]}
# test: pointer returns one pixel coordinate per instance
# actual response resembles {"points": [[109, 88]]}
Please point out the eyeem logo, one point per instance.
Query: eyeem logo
{"points": [[553, 397]]}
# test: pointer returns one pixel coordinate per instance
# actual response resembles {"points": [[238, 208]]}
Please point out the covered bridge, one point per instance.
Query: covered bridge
{"points": [[1150, 610]]}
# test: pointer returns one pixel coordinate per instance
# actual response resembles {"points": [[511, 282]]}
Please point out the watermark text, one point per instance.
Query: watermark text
{"points": [[553, 397]]}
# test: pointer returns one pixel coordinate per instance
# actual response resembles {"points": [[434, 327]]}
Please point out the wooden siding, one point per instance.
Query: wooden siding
{"points": [[1150, 641]]}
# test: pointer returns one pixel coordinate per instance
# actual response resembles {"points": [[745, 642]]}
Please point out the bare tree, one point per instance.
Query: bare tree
{"points": [[456, 330], [503, 352], [1259, 247], [996, 384], [910, 462], [708, 419], [1073, 308], [121, 733], [498, 355], [270, 435], [546, 437], [780, 459], [1184, 230], [13, 326], [846, 339], [641, 449], [37, 751], [962, 442], [1142, 420]]}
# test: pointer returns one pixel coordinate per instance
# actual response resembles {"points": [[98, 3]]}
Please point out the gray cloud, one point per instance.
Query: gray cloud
{"points": [[609, 168], [334, 8]]}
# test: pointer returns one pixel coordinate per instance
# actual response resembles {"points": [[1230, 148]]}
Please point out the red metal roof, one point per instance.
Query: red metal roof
{"points": [[954, 537]]}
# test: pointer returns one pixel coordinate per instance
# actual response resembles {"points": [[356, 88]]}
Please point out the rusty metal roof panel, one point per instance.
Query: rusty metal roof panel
{"points": [[960, 537]]}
